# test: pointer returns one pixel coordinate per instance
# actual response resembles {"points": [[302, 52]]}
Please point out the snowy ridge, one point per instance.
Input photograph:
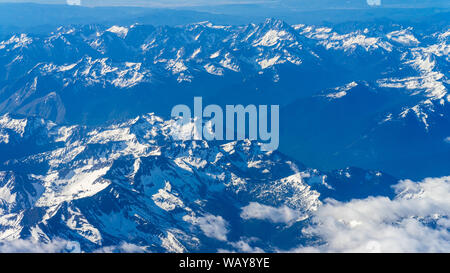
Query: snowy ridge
{"points": [[141, 56], [132, 182]]}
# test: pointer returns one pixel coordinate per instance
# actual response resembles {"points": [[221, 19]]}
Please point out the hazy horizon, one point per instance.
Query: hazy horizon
{"points": [[297, 4]]}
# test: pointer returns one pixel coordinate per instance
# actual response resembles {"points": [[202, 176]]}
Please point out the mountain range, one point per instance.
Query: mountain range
{"points": [[132, 183], [88, 154], [322, 77]]}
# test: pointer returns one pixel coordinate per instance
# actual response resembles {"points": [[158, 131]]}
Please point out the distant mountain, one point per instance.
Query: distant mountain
{"points": [[41, 17], [369, 95], [44, 18]]}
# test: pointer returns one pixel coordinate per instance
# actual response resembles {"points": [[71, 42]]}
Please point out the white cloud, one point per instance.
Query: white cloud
{"points": [[417, 220], [275, 215], [124, 247], [31, 246], [74, 2], [212, 226], [62, 246], [374, 2], [447, 139], [242, 246]]}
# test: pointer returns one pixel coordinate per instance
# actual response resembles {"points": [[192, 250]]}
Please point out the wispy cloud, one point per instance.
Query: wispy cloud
{"points": [[275, 215], [124, 247], [32, 246], [374, 2], [417, 220], [212, 226], [74, 2]]}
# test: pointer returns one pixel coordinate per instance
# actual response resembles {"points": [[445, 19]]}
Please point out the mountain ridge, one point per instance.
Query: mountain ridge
{"points": [[98, 183], [116, 73]]}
